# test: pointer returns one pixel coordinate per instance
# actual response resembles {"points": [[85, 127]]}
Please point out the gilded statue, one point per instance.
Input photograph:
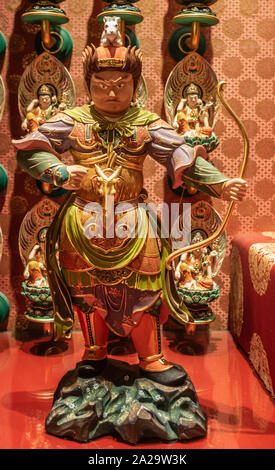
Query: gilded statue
{"points": [[112, 282]]}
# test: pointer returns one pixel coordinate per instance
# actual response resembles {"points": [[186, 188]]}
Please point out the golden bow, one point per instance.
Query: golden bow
{"points": [[175, 303]]}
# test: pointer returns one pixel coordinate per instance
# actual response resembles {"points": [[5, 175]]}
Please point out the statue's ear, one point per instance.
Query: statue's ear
{"points": [[104, 19]]}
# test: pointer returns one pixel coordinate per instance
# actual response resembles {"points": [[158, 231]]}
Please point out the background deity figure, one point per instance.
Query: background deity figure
{"points": [[194, 270], [41, 108], [192, 116], [35, 271]]}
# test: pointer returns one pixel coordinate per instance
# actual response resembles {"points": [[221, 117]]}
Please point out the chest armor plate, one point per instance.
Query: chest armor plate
{"points": [[92, 149]]}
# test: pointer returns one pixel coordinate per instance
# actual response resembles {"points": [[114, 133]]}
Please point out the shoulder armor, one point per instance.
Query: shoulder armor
{"points": [[159, 124], [61, 117], [137, 141]]}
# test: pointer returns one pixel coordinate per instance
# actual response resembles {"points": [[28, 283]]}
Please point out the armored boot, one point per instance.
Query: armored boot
{"points": [[95, 332], [147, 340]]}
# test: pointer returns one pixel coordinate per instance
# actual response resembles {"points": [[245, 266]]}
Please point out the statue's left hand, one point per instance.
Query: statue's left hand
{"points": [[234, 189]]}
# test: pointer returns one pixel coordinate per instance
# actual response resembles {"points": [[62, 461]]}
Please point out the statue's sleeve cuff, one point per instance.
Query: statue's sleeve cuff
{"points": [[184, 157], [56, 175]]}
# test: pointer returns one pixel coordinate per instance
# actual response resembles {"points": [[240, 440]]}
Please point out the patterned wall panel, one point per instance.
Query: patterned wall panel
{"points": [[239, 49]]}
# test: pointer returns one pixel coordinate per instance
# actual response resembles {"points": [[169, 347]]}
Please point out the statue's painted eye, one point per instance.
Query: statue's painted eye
{"points": [[120, 85], [103, 86]]}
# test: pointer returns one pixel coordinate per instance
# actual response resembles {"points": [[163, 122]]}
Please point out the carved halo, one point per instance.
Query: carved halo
{"points": [[45, 69], [34, 227]]}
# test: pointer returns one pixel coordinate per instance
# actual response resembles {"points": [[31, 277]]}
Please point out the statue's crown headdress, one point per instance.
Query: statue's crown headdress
{"points": [[46, 89], [111, 57], [197, 238], [121, 58], [192, 89]]}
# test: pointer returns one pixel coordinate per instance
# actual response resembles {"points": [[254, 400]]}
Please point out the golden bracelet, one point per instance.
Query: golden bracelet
{"points": [[53, 175]]}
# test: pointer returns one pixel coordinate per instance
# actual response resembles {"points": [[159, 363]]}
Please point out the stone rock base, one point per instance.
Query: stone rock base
{"points": [[120, 402]]}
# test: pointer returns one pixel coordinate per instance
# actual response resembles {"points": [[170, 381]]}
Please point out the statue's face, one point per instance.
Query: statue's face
{"points": [[45, 101], [192, 100], [112, 91]]}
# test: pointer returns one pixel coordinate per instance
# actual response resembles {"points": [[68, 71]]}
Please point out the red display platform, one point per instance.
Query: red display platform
{"points": [[252, 301], [241, 414]]}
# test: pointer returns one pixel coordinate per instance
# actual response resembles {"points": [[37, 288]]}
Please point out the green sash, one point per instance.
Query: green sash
{"points": [[62, 303], [113, 259]]}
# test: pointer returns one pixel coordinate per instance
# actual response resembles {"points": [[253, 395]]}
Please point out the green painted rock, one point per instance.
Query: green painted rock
{"points": [[119, 402]]}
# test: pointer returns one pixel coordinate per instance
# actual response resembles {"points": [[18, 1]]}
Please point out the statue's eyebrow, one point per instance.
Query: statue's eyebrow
{"points": [[113, 81]]}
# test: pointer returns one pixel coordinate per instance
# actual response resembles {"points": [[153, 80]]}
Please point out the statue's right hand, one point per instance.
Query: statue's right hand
{"points": [[77, 172]]}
